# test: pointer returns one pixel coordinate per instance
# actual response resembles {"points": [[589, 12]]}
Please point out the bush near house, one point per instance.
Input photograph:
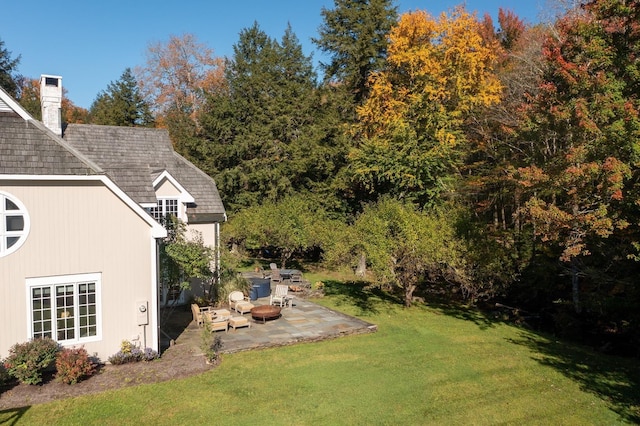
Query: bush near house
{"points": [[130, 353], [4, 375], [72, 365], [28, 361]]}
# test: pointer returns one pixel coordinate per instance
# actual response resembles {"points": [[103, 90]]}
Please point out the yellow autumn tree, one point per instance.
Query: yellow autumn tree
{"points": [[409, 129]]}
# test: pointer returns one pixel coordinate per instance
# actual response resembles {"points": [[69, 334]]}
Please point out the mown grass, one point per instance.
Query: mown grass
{"points": [[425, 365]]}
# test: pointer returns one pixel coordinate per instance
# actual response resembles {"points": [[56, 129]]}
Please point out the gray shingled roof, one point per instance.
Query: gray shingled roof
{"points": [[134, 156], [27, 147]]}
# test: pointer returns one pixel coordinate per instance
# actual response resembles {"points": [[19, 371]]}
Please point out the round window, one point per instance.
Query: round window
{"points": [[14, 224]]}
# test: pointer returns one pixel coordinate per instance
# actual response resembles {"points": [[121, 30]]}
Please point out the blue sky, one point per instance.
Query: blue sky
{"points": [[91, 43]]}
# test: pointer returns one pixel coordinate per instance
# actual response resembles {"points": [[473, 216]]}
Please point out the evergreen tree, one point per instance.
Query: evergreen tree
{"points": [[268, 139], [121, 104], [354, 34], [8, 66]]}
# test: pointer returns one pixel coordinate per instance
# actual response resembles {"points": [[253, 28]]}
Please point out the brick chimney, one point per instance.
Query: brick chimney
{"points": [[51, 102]]}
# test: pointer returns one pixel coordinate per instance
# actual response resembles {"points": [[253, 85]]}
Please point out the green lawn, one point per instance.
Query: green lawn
{"points": [[425, 365]]}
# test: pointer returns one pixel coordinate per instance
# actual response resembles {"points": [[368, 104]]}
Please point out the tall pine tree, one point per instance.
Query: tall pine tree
{"points": [[354, 35], [121, 104], [266, 132]]}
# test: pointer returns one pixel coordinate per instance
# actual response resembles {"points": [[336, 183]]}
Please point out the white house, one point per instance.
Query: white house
{"points": [[78, 238]]}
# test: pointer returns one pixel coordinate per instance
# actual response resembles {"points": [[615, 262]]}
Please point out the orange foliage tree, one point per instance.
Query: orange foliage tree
{"points": [[409, 129], [178, 73], [30, 100], [584, 123]]}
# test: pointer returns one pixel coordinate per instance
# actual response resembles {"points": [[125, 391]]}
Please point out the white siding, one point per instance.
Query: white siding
{"points": [[77, 228]]}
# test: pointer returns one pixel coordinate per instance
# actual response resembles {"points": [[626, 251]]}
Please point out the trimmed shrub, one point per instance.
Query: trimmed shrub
{"points": [[72, 365], [4, 374], [28, 361], [130, 353]]}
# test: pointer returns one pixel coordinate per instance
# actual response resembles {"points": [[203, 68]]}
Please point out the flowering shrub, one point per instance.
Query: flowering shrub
{"points": [[72, 365], [130, 353], [28, 361], [4, 374]]}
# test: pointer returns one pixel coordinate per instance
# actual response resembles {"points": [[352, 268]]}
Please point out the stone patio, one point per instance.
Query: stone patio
{"points": [[304, 321]]}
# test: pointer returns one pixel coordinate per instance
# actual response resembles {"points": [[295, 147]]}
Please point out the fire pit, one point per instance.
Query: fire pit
{"points": [[265, 312]]}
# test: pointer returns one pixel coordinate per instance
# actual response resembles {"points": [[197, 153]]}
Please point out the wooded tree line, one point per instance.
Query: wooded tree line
{"points": [[435, 154]]}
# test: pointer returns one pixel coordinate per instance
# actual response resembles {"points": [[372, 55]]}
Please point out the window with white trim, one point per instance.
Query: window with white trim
{"points": [[164, 208], [14, 224], [65, 308]]}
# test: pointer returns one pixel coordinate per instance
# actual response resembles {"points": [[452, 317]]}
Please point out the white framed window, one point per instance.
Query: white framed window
{"points": [[14, 224], [164, 208], [65, 308]]}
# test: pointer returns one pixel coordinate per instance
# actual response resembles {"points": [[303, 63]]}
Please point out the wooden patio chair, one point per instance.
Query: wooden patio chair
{"points": [[198, 314], [280, 296], [296, 278], [275, 276]]}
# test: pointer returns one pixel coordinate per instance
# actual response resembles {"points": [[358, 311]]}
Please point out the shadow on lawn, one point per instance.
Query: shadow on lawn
{"points": [[358, 293], [12, 416], [614, 379], [483, 319]]}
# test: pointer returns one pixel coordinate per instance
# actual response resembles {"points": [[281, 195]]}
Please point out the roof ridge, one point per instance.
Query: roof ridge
{"points": [[28, 118]]}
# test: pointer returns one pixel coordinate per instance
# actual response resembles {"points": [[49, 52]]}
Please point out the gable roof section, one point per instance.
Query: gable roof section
{"points": [[135, 157], [30, 151], [27, 147]]}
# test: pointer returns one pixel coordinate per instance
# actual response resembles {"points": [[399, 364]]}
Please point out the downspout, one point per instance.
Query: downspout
{"points": [[218, 260], [158, 332]]}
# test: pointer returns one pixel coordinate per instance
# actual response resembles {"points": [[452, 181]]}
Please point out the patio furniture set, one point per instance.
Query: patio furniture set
{"points": [[221, 319]]}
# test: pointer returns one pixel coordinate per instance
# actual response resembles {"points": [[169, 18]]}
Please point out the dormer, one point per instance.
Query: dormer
{"points": [[172, 198]]}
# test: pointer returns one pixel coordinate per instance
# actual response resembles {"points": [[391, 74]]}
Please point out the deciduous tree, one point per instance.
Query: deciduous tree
{"points": [[177, 74], [584, 123], [288, 227], [410, 127], [406, 247]]}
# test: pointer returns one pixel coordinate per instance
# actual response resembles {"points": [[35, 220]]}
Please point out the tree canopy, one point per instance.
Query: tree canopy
{"points": [[122, 104], [266, 134], [410, 128], [354, 34], [8, 70]]}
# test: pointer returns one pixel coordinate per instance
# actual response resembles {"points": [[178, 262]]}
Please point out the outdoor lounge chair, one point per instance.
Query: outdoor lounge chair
{"points": [[217, 319], [219, 325], [275, 276], [280, 296], [198, 314], [239, 302]]}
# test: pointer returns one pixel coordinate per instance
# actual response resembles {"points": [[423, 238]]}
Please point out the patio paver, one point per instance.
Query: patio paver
{"points": [[304, 321]]}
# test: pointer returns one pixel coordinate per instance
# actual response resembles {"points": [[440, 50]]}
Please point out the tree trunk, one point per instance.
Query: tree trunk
{"points": [[361, 270], [575, 288], [575, 285], [284, 258], [408, 294]]}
